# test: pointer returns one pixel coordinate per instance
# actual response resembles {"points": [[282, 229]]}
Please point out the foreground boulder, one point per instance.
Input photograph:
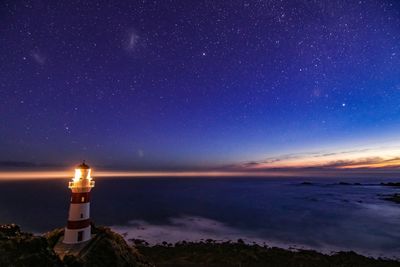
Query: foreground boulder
{"points": [[106, 248]]}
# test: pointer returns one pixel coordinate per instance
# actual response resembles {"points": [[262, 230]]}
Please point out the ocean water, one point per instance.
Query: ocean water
{"points": [[323, 215]]}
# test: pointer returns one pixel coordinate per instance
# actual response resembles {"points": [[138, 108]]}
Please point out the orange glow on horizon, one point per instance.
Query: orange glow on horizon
{"points": [[42, 175], [301, 164], [391, 163], [362, 157]]}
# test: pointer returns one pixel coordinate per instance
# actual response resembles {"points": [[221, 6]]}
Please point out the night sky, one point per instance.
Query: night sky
{"points": [[199, 84]]}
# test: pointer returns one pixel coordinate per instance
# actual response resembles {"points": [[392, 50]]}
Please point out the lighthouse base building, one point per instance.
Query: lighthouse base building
{"points": [[78, 228]]}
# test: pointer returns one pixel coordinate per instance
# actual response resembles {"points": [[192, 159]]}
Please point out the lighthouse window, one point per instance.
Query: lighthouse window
{"points": [[83, 199], [81, 215]]}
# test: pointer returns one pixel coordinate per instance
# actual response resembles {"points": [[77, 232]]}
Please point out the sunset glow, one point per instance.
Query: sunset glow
{"points": [[40, 175]]}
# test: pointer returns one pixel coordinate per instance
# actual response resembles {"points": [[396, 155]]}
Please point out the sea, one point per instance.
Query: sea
{"points": [[324, 214]]}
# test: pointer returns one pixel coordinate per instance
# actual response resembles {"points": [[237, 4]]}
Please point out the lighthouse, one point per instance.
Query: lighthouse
{"points": [[78, 228]]}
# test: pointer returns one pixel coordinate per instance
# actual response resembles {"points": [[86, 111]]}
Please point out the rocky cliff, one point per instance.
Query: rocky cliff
{"points": [[105, 249]]}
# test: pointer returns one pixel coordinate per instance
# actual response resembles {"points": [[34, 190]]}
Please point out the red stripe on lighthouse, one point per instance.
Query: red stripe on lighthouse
{"points": [[78, 224], [80, 197]]}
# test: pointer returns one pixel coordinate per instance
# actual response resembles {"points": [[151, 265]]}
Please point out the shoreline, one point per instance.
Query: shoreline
{"points": [[107, 247]]}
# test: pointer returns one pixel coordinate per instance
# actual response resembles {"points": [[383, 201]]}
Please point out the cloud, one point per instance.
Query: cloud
{"points": [[375, 162], [353, 163], [373, 157], [280, 158], [344, 152]]}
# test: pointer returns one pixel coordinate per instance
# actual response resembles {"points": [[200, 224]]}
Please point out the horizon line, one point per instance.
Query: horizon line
{"points": [[65, 174]]}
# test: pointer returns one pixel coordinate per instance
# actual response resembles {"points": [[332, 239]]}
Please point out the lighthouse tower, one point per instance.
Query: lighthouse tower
{"points": [[78, 227]]}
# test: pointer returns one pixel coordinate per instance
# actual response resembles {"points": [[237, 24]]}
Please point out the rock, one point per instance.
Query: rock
{"points": [[394, 184], [229, 254], [306, 183], [24, 249], [394, 198], [106, 248], [110, 249]]}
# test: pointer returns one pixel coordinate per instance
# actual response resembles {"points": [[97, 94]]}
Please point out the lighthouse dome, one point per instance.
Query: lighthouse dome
{"points": [[83, 165]]}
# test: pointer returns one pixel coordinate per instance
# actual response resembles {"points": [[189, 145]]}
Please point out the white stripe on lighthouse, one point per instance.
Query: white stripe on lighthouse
{"points": [[79, 212], [71, 235]]}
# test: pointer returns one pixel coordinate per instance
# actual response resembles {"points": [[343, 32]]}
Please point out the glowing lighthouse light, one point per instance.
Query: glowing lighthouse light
{"points": [[78, 227]]}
